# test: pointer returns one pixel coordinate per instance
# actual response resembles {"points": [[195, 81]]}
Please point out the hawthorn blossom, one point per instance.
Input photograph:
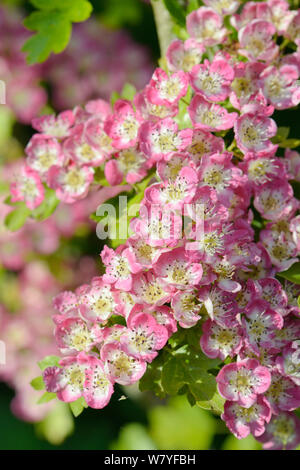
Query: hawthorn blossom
{"points": [[217, 341], [205, 25], [70, 183], [123, 368], [256, 41], [212, 80], [184, 55], [253, 133], [28, 188], [164, 90], [210, 116], [243, 421], [243, 381], [282, 432]]}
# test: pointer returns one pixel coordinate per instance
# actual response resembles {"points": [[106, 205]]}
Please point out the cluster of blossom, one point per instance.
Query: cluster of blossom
{"points": [[215, 269], [27, 331], [89, 66], [41, 238]]}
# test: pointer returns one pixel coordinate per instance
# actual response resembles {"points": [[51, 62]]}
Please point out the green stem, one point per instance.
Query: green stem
{"points": [[164, 25]]}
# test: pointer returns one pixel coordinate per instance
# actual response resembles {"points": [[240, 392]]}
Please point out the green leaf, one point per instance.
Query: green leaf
{"points": [[46, 397], [53, 35], [49, 361], [128, 92], [38, 383], [192, 5], [17, 218], [115, 96], [292, 274], [78, 406], [99, 177], [282, 134], [53, 26], [47, 207], [176, 11], [215, 404], [289, 143]]}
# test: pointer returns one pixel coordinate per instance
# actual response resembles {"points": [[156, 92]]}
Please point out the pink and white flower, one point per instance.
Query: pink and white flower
{"points": [[144, 336], [166, 90], [160, 140], [123, 125], [282, 432], [70, 183], [210, 116], [205, 25], [256, 41], [217, 341], [28, 188], [43, 152], [123, 368], [120, 265], [253, 133], [184, 55], [243, 381], [212, 80], [243, 421]]}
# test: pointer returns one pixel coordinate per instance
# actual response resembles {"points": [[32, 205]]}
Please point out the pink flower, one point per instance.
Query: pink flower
{"points": [[122, 367], [274, 199], [223, 7], [205, 25], [122, 126], [212, 80], [253, 133], [210, 116], [184, 55], [80, 376], [176, 269], [243, 381], [186, 308], [289, 363], [71, 183], [98, 301], [243, 421], [279, 87], [77, 149], [43, 153], [259, 325], [174, 194], [144, 336], [160, 140], [148, 289], [283, 394], [74, 335], [28, 188], [130, 164], [217, 341], [204, 143], [120, 266], [55, 126], [166, 90], [256, 41], [282, 432]]}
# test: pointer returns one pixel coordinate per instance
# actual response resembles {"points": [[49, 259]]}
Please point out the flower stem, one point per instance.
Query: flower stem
{"points": [[164, 25]]}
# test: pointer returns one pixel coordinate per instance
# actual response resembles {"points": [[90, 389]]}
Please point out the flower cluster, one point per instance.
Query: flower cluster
{"points": [[213, 230], [27, 331]]}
